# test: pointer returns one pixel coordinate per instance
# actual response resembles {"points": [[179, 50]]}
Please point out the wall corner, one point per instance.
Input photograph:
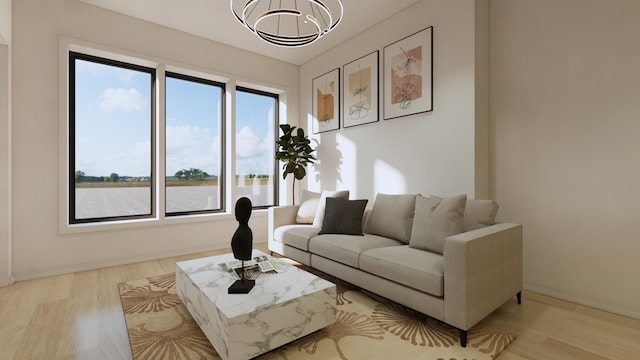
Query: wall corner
{"points": [[5, 166], [481, 100]]}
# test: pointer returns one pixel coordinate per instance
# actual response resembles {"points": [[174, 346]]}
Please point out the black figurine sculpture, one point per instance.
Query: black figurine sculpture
{"points": [[241, 244]]}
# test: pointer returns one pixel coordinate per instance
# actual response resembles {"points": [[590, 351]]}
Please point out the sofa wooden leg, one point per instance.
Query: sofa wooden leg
{"points": [[519, 297], [463, 338]]}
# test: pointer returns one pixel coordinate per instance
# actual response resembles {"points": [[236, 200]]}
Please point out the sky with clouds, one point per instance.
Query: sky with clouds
{"points": [[113, 124]]}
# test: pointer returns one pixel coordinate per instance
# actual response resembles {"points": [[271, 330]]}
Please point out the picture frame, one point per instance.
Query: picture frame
{"points": [[325, 91], [361, 90], [408, 75]]}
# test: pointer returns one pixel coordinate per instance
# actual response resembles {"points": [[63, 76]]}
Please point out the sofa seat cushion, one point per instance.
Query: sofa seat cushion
{"points": [[296, 235], [346, 249], [419, 269]]}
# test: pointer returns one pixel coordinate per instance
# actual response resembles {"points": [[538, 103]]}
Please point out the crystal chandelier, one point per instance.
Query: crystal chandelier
{"points": [[288, 23]]}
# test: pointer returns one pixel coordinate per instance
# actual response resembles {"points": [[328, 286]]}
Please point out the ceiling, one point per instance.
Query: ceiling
{"points": [[212, 19]]}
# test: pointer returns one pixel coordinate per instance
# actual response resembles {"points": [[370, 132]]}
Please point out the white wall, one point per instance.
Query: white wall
{"points": [[5, 22], [429, 153], [5, 143], [38, 247], [564, 86], [565, 90]]}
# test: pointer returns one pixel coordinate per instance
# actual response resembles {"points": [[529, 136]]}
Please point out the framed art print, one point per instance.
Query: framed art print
{"points": [[326, 101], [408, 75], [360, 90]]}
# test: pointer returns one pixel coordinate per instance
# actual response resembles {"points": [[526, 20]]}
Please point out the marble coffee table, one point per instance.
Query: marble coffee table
{"points": [[279, 309]]}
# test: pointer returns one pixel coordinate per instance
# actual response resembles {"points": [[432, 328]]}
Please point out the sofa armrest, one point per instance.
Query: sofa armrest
{"points": [[281, 215], [482, 270]]}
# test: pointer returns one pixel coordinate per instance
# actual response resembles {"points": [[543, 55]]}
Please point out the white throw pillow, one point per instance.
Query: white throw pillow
{"points": [[392, 216], [308, 207], [436, 218], [319, 218]]}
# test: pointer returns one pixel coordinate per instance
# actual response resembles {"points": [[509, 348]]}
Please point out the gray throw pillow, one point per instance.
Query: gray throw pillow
{"points": [[479, 214], [343, 216], [392, 216], [341, 194], [436, 218]]}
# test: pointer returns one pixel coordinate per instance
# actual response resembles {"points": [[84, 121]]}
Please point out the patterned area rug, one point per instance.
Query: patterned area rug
{"points": [[367, 327]]}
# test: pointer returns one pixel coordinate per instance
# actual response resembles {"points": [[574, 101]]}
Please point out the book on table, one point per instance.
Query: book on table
{"points": [[253, 268]]}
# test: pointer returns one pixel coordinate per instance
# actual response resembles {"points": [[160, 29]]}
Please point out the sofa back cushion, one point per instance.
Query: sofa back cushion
{"points": [[308, 208], [435, 219], [478, 214], [392, 216], [322, 203]]}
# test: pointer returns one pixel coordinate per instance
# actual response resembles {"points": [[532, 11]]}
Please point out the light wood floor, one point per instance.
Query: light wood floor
{"points": [[78, 316]]}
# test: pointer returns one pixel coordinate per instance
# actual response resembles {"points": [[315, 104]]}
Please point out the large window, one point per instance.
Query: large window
{"points": [[128, 161], [193, 144], [111, 143], [256, 119]]}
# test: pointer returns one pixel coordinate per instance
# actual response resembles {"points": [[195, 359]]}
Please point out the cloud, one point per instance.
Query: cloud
{"points": [[142, 149], [253, 154], [248, 144], [189, 147], [121, 99], [181, 138]]}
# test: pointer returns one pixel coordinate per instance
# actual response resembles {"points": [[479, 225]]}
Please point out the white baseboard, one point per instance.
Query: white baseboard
{"points": [[7, 281], [624, 310], [108, 263]]}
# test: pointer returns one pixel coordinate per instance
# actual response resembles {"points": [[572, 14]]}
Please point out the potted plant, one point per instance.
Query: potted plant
{"points": [[295, 151]]}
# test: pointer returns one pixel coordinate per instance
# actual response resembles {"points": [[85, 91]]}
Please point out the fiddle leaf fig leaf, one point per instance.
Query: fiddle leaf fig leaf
{"points": [[295, 151]]}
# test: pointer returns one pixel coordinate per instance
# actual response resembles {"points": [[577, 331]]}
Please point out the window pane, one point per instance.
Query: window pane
{"points": [[193, 145], [256, 118], [111, 147]]}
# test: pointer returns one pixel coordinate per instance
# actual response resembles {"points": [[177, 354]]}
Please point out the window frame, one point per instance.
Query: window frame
{"points": [[69, 44], [276, 123], [222, 183], [72, 57]]}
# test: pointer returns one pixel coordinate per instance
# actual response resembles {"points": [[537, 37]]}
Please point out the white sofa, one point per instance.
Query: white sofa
{"points": [[444, 257]]}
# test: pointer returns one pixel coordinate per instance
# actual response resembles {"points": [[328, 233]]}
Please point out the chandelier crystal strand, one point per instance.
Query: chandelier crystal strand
{"points": [[288, 26]]}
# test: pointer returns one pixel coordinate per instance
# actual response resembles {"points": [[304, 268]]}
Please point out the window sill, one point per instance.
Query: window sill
{"points": [[152, 222]]}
